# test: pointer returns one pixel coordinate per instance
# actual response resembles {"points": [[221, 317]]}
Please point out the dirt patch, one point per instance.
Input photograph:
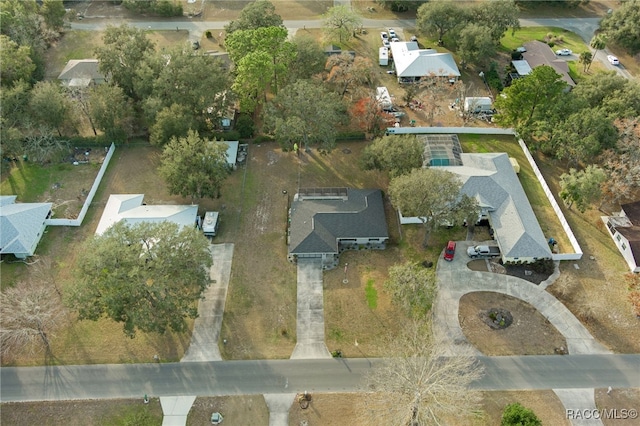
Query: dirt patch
{"points": [[523, 272], [236, 410], [77, 413], [529, 334], [617, 405]]}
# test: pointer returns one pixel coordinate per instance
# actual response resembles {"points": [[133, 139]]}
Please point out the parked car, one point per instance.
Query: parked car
{"points": [[392, 33], [613, 60], [414, 38], [394, 39], [521, 49], [386, 43], [384, 36], [564, 52], [450, 251], [483, 251]]}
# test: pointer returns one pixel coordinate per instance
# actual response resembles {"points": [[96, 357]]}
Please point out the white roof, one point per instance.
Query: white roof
{"points": [[232, 151], [411, 61], [129, 207], [21, 225], [383, 96], [490, 178]]}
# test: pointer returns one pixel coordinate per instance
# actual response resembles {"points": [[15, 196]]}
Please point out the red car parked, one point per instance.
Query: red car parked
{"points": [[450, 251]]}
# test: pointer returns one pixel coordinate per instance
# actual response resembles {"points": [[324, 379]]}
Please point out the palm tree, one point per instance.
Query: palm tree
{"points": [[598, 42], [586, 58]]}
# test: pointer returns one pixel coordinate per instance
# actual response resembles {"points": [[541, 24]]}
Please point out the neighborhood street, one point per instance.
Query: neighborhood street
{"points": [[292, 376]]}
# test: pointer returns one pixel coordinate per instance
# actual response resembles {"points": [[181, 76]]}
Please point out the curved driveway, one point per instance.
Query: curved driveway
{"points": [[455, 280]]}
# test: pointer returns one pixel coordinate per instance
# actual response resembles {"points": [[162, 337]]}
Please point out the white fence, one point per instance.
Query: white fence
{"points": [[577, 255], [448, 130], [92, 193]]}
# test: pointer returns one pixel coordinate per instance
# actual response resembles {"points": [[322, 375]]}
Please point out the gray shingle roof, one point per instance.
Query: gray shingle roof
{"points": [[21, 225], [318, 224], [490, 178]]}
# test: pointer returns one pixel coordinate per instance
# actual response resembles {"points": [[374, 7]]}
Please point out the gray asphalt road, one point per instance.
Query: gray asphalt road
{"points": [[291, 376]]}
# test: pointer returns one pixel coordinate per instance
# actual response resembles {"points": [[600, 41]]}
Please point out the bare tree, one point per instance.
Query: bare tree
{"points": [[419, 385], [30, 312]]}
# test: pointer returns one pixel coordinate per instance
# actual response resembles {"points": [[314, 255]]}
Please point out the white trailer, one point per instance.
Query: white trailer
{"points": [[383, 98], [478, 105], [210, 224], [383, 56]]}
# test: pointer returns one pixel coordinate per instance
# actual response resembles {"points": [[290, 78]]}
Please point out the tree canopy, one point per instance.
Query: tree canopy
{"points": [[397, 154], [303, 112], [123, 52], [412, 288], [621, 26], [434, 196], [256, 14], [346, 70], [15, 62], [262, 57], [420, 384], [529, 99], [341, 21], [582, 187], [148, 276], [194, 167], [517, 415], [438, 17]]}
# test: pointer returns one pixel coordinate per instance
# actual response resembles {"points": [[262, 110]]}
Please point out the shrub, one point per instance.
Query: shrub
{"points": [[551, 44], [493, 78], [517, 415], [262, 139], [232, 135], [208, 34], [351, 135], [543, 266], [244, 126]]}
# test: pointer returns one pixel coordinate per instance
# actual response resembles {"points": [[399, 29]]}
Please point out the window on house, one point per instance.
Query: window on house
{"points": [[618, 237], [624, 246]]}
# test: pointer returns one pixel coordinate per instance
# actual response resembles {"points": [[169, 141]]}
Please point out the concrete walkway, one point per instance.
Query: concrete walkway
{"points": [[455, 280], [206, 331], [580, 406], [310, 325], [279, 405]]}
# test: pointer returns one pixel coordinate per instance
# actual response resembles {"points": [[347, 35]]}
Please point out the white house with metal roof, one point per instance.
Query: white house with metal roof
{"points": [[492, 181], [131, 209], [21, 226], [412, 63], [325, 221]]}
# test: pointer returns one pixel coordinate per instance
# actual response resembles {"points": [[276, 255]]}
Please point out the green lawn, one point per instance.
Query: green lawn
{"points": [[30, 181], [563, 39]]}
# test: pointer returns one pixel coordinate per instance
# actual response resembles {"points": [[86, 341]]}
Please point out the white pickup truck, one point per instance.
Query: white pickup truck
{"points": [[483, 251]]}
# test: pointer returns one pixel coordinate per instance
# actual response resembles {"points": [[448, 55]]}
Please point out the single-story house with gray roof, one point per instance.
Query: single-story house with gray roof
{"points": [[81, 73], [21, 226], [492, 181], [325, 221]]}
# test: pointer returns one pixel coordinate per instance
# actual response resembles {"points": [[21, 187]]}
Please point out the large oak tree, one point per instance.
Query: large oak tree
{"points": [[147, 276], [194, 167], [434, 196]]}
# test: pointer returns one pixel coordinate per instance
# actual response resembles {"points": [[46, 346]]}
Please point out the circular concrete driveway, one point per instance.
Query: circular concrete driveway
{"points": [[455, 279]]}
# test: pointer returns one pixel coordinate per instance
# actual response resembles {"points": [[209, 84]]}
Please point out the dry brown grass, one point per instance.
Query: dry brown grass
{"points": [[75, 413], [236, 410], [618, 400], [228, 10], [339, 409], [530, 333], [596, 292]]}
